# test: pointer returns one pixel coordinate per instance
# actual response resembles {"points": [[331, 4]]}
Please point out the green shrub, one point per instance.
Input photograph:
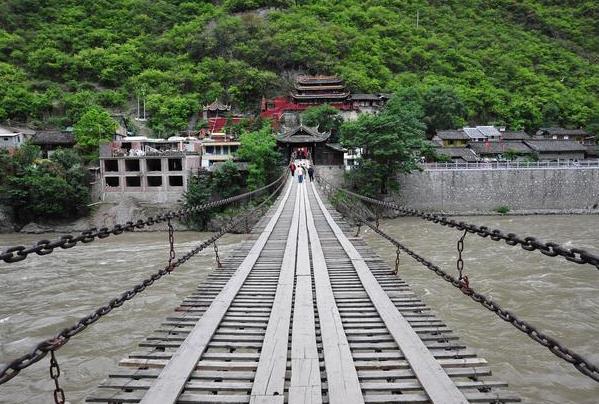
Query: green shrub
{"points": [[502, 209]]}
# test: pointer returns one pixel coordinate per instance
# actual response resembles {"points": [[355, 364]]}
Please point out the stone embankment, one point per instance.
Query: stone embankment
{"points": [[518, 191], [109, 214]]}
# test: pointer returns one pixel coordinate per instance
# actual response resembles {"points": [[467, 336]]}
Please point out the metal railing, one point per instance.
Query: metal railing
{"points": [[512, 165]]}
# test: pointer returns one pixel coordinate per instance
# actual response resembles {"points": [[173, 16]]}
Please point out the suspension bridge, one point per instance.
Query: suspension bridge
{"points": [[302, 312]]}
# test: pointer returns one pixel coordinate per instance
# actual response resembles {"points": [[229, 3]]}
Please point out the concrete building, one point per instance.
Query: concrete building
{"points": [[217, 151], [11, 139], [150, 170]]}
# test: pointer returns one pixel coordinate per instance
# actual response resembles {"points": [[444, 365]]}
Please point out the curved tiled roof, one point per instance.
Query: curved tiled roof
{"points": [[302, 134], [217, 106], [318, 80]]}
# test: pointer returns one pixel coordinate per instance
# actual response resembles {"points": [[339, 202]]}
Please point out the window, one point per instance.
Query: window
{"points": [[209, 149], [566, 137], [175, 181], [112, 181], [133, 181], [111, 165], [155, 180], [132, 165], [175, 165], [154, 164]]}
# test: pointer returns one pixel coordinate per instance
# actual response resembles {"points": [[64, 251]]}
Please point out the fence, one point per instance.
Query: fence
{"points": [[512, 165]]}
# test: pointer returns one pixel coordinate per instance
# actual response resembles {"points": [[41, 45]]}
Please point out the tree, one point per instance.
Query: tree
{"points": [[226, 180], [443, 109], [45, 189], [199, 191], [94, 127], [327, 118], [391, 142], [258, 149]]}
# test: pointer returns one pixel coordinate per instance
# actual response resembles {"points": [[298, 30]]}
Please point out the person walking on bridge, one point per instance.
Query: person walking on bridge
{"points": [[311, 173], [292, 168], [300, 174]]}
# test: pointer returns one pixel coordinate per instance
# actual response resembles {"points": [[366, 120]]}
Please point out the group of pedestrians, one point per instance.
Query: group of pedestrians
{"points": [[301, 169]]}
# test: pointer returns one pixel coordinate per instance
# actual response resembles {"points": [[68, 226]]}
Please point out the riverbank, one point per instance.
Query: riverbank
{"points": [[110, 214]]}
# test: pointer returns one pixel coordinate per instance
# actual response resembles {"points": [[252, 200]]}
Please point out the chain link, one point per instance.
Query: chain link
{"points": [[529, 243], [13, 368], [171, 242], [397, 252], [59, 397], [460, 261], [579, 362], [217, 257], [44, 247]]}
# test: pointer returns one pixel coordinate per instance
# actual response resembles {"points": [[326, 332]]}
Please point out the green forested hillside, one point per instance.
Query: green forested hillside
{"points": [[523, 63]]}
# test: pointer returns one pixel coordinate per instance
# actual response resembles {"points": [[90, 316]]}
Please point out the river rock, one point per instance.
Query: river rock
{"points": [[7, 224]]}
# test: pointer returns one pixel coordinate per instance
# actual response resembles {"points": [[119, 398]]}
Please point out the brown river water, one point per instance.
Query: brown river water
{"points": [[41, 295]]}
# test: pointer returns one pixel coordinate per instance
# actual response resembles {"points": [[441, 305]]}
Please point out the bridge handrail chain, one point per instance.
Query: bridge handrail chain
{"points": [[11, 369], [583, 365], [44, 247], [529, 243]]}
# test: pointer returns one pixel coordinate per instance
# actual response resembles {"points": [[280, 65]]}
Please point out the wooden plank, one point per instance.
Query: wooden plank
{"points": [[171, 380], [305, 384], [270, 374], [342, 377], [438, 386]]}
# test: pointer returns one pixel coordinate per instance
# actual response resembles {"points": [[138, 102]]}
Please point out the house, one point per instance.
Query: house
{"points": [[451, 138], [503, 150], [218, 150], [513, 135], [49, 141], [482, 133], [550, 149], [578, 135], [457, 154], [11, 139]]}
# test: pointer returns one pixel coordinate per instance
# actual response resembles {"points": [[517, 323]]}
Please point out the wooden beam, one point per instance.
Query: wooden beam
{"points": [[305, 384], [171, 380], [269, 383], [342, 377], [438, 386]]}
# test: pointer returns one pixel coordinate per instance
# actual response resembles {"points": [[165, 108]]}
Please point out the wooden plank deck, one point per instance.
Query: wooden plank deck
{"points": [[302, 312]]}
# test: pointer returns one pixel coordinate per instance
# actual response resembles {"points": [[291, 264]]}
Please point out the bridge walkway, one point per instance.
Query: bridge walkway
{"points": [[302, 312]]}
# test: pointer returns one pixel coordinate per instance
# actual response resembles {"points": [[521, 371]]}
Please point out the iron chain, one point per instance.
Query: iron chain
{"points": [[550, 249], [579, 362], [59, 397], [11, 369], [460, 261], [44, 247], [171, 242], [397, 252], [216, 256]]}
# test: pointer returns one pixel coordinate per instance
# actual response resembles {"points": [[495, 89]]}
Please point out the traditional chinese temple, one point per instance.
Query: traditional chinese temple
{"points": [[310, 91], [217, 114], [308, 143]]}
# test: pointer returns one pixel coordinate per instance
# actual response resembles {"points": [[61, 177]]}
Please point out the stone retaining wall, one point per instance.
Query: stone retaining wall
{"points": [[483, 191]]}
